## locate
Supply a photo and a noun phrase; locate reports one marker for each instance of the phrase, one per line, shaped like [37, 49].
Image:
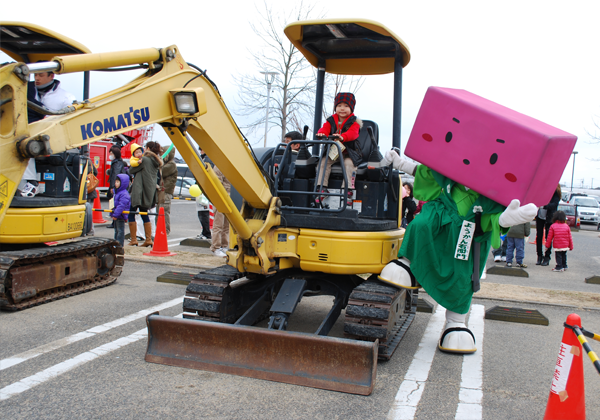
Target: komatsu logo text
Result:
[108, 125]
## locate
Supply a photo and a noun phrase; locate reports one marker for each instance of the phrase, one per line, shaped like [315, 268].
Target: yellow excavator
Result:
[283, 247]
[43, 256]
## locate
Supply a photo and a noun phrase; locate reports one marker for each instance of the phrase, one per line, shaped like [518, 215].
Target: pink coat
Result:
[560, 233]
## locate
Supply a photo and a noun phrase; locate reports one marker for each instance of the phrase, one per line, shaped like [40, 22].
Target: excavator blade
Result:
[336, 364]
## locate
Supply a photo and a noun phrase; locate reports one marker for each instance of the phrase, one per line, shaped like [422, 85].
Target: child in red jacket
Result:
[343, 125]
[560, 234]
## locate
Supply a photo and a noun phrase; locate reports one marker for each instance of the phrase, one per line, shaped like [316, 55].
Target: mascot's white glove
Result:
[515, 214]
[392, 158]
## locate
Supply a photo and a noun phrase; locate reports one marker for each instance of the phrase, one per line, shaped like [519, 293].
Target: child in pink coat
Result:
[559, 236]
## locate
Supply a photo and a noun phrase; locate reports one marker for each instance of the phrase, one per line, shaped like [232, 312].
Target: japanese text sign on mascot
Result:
[474, 180]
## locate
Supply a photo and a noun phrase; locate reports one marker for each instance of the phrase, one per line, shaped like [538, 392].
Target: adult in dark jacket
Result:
[143, 191]
[541, 224]
[169, 179]
[409, 207]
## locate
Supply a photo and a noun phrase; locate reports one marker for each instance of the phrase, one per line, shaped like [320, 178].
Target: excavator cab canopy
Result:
[351, 47]
[356, 47]
[29, 43]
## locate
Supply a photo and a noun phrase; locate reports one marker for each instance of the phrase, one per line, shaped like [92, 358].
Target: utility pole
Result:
[269, 78]
[573, 174]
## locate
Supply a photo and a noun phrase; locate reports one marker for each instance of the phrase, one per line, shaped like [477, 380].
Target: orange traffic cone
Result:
[160, 247]
[535, 238]
[567, 394]
[98, 214]
[211, 213]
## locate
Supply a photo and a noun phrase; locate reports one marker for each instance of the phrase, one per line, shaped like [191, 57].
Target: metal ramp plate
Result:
[593, 279]
[330, 363]
[202, 243]
[507, 271]
[523, 316]
[176, 277]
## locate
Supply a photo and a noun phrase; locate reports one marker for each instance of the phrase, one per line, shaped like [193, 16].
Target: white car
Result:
[182, 187]
[588, 209]
[595, 197]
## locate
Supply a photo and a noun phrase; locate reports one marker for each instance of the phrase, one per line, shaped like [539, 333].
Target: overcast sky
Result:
[536, 57]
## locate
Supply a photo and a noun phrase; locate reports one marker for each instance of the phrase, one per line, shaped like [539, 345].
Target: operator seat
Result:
[366, 147]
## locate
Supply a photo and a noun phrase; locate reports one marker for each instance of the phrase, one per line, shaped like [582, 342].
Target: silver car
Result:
[588, 209]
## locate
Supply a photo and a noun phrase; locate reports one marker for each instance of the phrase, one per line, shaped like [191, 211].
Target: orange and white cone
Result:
[97, 216]
[211, 214]
[567, 393]
[160, 247]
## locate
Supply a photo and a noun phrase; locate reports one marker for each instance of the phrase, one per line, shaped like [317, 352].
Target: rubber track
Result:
[13, 259]
[369, 313]
[204, 295]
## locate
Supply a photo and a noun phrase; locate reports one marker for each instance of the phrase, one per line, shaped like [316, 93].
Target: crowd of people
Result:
[551, 231]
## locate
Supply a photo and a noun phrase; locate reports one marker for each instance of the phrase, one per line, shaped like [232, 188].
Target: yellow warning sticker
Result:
[7, 188]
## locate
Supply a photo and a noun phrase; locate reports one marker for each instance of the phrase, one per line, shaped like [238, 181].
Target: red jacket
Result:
[560, 233]
[350, 135]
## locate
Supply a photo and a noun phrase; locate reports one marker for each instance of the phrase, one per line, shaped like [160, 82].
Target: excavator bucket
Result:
[295, 358]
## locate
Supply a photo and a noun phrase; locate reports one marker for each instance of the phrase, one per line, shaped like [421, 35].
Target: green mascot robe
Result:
[431, 238]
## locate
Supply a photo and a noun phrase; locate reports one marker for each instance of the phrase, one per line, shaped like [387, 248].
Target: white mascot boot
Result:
[457, 338]
[397, 273]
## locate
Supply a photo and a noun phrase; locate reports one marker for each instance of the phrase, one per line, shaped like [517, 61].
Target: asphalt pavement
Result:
[83, 357]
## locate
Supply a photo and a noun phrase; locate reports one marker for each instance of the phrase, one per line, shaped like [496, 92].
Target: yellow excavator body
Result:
[282, 249]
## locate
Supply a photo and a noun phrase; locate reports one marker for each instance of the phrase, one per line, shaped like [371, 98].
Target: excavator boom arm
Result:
[146, 100]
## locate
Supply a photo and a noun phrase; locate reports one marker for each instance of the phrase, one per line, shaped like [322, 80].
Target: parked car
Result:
[588, 209]
[183, 171]
[595, 197]
[182, 187]
[570, 210]
[568, 196]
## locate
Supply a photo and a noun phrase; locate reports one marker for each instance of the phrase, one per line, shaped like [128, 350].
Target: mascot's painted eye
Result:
[494, 158]
[466, 161]
[448, 136]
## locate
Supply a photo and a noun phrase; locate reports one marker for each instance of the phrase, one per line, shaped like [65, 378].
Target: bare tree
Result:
[595, 136]
[292, 94]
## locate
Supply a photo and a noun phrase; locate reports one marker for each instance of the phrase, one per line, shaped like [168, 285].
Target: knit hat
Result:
[345, 97]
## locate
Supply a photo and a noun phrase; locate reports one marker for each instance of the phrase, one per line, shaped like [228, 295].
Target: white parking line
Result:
[38, 351]
[410, 391]
[58, 369]
[471, 393]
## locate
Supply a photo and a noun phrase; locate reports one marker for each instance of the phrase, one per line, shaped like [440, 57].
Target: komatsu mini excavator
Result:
[282, 248]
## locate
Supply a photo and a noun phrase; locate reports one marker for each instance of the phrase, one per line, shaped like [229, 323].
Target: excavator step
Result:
[335, 364]
[175, 277]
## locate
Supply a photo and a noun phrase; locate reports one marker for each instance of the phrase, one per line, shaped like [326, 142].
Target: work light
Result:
[186, 102]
